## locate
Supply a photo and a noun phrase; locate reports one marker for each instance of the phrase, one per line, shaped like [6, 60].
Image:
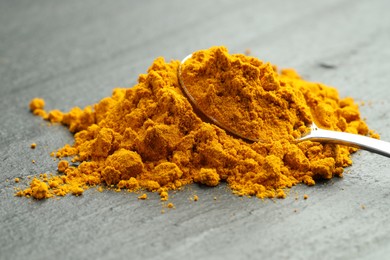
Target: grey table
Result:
[72, 53]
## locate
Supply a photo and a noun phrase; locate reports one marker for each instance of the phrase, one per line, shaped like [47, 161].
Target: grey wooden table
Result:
[72, 53]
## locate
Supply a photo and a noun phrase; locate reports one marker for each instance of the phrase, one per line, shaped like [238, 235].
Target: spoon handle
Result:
[359, 141]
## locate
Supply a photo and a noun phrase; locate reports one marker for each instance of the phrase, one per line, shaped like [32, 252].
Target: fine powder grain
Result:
[148, 137]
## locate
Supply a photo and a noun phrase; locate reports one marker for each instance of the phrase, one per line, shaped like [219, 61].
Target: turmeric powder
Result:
[149, 137]
[143, 196]
[38, 189]
[245, 95]
[63, 165]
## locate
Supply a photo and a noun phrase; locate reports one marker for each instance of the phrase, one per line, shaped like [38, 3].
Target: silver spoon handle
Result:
[359, 141]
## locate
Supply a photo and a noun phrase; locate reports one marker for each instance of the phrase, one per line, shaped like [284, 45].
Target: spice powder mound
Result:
[148, 137]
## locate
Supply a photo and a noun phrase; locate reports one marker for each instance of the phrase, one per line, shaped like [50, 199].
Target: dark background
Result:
[73, 53]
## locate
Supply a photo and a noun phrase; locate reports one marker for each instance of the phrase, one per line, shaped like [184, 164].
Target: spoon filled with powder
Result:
[250, 100]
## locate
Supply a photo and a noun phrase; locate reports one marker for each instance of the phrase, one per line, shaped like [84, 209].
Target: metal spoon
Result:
[315, 134]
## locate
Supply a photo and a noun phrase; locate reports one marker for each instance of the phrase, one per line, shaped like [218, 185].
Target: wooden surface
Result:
[72, 53]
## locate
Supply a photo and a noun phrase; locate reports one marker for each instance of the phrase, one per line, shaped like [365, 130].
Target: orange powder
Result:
[63, 165]
[143, 196]
[148, 137]
[38, 189]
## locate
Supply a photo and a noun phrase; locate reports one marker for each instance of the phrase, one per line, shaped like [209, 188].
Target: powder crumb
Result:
[215, 198]
[17, 179]
[196, 197]
[363, 206]
[33, 161]
[209, 177]
[77, 191]
[63, 165]
[170, 205]
[143, 196]
[162, 211]
[130, 184]
[305, 197]
[373, 134]
[33, 145]
[36, 103]
[100, 189]
[55, 116]
[164, 196]
[38, 190]
[53, 183]
[280, 194]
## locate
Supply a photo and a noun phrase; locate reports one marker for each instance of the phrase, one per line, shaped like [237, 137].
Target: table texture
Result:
[73, 53]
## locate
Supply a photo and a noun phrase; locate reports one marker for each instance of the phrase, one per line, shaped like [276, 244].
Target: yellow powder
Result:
[55, 116]
[149, 137]
[208, 177]
[33, 145]
[37, 103]
[63, 165]
[130, 184]
[164, 196]
[77, 191]
[38, 190]
[36, 106]
[143, 196]
[245, 95]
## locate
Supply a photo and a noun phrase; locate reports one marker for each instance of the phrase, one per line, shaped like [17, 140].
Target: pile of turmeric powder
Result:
[149, 138]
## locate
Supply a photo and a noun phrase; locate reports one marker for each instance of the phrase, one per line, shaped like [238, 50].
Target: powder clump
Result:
[38, 190]
[63, 165]
[149, 137]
